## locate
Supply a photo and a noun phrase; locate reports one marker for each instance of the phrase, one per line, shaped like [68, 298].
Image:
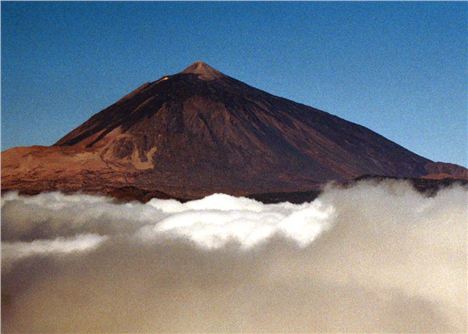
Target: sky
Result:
[399, 69]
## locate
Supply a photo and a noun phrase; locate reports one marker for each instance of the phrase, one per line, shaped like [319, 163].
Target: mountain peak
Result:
[202, 133]
[203, 70]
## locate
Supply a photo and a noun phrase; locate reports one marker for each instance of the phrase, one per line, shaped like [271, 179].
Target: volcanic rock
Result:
[198, 132]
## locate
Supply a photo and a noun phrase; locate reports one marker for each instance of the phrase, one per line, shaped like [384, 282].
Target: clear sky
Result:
[399, 69]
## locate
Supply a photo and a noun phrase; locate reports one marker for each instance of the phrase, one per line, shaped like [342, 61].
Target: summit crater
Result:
[203, 71]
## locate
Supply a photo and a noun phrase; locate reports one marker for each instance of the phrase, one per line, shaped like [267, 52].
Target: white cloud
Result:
[219, 219]
[16, 250]
[370, 258]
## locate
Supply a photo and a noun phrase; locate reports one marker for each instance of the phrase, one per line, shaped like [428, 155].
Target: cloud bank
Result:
[370, 258]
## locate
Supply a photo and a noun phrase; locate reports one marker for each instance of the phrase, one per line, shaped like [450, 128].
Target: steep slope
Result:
[199, 132]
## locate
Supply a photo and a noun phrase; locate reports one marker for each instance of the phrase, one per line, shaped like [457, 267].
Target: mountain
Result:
[198, 132]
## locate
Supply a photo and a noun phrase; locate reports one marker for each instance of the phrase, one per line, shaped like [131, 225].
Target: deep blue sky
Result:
[398, 68]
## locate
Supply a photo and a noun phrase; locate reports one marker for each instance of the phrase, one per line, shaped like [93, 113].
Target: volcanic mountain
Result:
[198, 132]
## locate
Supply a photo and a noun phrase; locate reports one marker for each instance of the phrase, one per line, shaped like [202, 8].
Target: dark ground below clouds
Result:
[428, 187]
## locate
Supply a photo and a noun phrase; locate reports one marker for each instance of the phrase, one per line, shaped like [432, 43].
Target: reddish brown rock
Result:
[199, 132]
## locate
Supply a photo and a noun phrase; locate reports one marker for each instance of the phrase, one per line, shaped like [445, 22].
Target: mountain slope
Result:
[198, 132]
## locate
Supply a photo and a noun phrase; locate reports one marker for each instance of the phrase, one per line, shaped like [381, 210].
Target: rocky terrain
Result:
[199, 132]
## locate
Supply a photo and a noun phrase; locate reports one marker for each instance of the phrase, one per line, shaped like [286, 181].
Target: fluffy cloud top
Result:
[371, 258]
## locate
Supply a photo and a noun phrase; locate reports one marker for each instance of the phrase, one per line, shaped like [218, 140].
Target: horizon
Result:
[365, 71]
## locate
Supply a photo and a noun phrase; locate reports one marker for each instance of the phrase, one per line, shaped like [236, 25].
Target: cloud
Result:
[12, 251]
[219, 219]
[370, 258]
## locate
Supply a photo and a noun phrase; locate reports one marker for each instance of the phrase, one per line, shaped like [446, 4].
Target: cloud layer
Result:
[371, 258]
